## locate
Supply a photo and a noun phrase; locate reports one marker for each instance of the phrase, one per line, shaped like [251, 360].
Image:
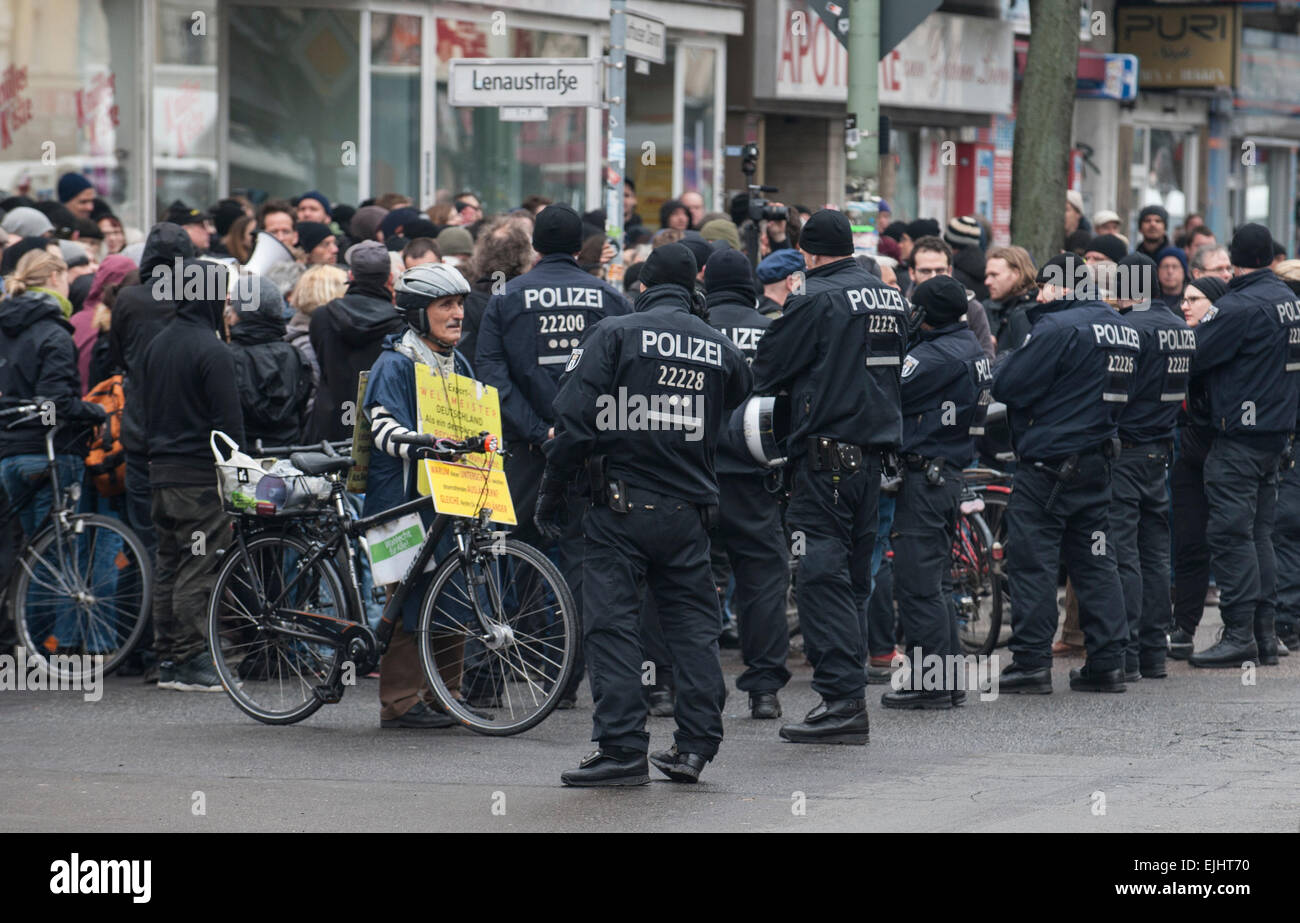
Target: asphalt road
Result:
[1199, 751]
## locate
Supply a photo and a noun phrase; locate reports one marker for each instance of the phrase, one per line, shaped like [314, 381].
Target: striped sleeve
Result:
[383, 427]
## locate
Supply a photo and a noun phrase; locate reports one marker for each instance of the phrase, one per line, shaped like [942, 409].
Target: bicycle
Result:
[288, 633]
[980, 587]
[83, 583]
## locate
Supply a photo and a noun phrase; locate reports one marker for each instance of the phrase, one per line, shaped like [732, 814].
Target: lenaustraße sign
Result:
[960, 63]
[552, 82]
[1181, 46]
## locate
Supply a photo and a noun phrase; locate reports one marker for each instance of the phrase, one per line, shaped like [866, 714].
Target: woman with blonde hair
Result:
[39, 359]
[318, 285]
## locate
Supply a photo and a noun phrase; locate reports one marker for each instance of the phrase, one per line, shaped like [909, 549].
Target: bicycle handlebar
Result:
[473, 445]
[329, 448]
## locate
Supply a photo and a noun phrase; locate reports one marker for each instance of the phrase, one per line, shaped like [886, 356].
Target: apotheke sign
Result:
[958, 63]
[556, 82]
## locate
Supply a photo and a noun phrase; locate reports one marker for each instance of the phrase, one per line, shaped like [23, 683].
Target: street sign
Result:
[898, 19]
[522, 113]
[647, 37]
[525, 82]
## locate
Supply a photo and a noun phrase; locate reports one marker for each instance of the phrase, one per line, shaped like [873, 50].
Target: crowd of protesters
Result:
[278, 360]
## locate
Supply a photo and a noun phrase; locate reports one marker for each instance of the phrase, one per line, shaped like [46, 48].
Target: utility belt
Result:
[826, 454]
[1163, 448]
[1064, 469]
[933, 467]
[615, 494]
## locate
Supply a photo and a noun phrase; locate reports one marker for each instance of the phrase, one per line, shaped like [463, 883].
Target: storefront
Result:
[940, 84]
[345, 96]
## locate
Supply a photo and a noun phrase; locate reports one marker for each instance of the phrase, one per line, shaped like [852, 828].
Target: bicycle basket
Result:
[263, 486]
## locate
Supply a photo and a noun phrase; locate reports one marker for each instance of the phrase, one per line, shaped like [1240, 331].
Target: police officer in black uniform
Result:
[1139, 507]
[838, 352]
[946, 377]
[1248, 352]
[1064, 389]
[647, 393]
[749, 530]
[526, 336]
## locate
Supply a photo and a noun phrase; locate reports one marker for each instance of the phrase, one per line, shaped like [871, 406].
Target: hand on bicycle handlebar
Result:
[435, 447]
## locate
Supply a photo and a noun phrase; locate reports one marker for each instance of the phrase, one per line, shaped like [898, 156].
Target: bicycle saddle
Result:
[320, 463]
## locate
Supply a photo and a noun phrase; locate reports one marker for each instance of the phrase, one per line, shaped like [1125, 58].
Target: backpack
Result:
[106, 461]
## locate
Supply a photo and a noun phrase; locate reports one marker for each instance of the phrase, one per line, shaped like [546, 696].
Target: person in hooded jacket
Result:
[273, 378]
[749, 531]
[139, 314]
[39, 359]
[187, 393]
[348, 335]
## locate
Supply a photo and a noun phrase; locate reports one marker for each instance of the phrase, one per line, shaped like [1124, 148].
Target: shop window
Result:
[699, 132]
[1161, 164]
[185, 104]
[394, 104]
[70, 99]
[294, 101]
[650, 136]
[502, 162]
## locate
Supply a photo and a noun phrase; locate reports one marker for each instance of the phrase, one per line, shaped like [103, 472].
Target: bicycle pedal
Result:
[330, 695]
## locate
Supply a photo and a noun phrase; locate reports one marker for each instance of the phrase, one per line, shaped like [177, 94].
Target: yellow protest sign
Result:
[455, 407]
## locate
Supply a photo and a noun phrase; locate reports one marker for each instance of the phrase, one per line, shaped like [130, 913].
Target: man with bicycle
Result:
[430, 298]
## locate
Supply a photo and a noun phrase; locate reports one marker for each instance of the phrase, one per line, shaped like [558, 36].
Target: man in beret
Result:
[837, 351]
[780, 273]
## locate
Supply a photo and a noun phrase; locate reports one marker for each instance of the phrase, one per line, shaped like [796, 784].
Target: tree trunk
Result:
[1040, 169]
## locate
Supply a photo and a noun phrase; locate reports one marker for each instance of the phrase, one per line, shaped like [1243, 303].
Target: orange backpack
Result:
[106, 461]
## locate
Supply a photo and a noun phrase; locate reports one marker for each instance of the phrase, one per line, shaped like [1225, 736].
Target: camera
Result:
[759, 210]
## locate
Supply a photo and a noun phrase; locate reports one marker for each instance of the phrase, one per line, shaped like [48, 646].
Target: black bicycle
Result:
[82, 585]
[497, 632]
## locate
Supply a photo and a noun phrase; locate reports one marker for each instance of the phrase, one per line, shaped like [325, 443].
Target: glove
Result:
[546, 515]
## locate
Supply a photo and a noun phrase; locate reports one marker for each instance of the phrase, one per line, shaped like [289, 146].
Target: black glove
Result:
[550, 504]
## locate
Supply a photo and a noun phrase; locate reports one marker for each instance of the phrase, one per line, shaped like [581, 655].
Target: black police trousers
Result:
[1075, 523]
[1286, 549]
[660, 544]
[1139, 530]
[750, 533]
[1241, 487]
[924, 523]
[1191, 550]
[834, 514]
[524, 467]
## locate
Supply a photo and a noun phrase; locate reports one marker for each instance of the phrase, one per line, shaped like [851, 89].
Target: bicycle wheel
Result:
[84, 591]
[255, 625]
[520, 668]
[976, 587]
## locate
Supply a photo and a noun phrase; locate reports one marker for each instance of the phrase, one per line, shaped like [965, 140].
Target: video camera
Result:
[759, 210]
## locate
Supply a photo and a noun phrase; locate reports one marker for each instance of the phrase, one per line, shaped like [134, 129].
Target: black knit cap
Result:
[557, 229]
[923, 227]
[729, 271]
[310, 234]
[943, 298]
[1063, 270]
[700, 248]
[1140, 270]
[1251, 247]
[1111, 246]
[671, 264]
[1212, 287]
[827, 233]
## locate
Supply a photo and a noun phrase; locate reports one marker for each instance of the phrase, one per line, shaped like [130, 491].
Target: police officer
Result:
[749, 533]
[1064, 389]
[837, 351]
[1286, 543]
[1139, 507]
[647, 393]
[1248, 352]
[946, 377]
[526, 336]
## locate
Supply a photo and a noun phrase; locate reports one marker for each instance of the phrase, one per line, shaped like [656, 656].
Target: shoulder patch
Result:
[574, 359]
[1210, 314]
[909, 365]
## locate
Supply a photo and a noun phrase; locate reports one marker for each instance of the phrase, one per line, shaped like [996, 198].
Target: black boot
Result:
[1266, 641]
[1132, 669]
[1180, 644]
[1288, 635]
[764, 705]
[1086, 679]
[678, 766]
[1235, 647]
[600, 768]
[834, 721]
[906, 698]
[1035, 681]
